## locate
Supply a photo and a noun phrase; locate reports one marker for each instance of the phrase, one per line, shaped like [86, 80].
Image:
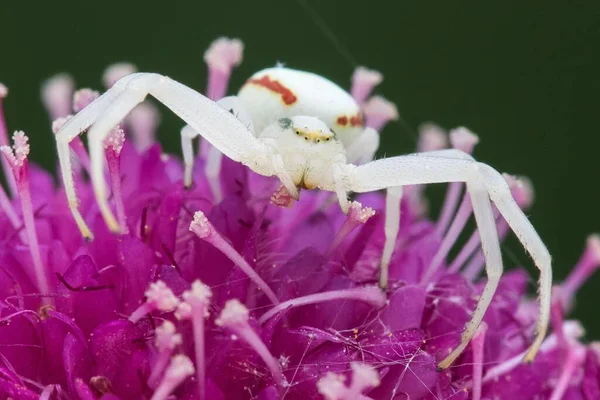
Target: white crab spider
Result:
[308, 132]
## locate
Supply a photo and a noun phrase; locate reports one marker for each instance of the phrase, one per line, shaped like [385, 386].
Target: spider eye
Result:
[328, 139]
[297, 132]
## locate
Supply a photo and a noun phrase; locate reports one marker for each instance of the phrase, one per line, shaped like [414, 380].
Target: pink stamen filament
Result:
[140, 312]
[5, 141]
[370, 295]
[462, 216]
[161, 362]
[179, 369]
[198, 329]
[248, 334]
[477, 346]
[575, 358]
[114, 167]
[449, 206]
[22, 179]
[204, 230]
[585, 267]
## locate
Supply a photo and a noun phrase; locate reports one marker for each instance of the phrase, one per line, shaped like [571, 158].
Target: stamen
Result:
[575, 358]
[158, 297]
[180, 368]
[477, 344]
[431, 138]
[357, 215]
[114, 144]
[205, 230]
[17, 159]
[115, 72]
[4, 141]
[379, 111]
[235, 318]
[464, 140]
[166, 340]
[222, 55]
[368, 294]
[585, 267]
[83, 97]
[144, 120]
[364, 81]
[57, 95]
[556, 317]
[195, 308]
[462, 216]
[76, 144]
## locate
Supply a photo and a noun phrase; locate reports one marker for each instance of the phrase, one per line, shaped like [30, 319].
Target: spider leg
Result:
[391, 227]
[214, 156]
[69, 131]
[222, 129]
[483, 183]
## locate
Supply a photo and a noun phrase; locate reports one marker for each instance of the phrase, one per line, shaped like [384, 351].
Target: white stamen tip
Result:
[17, 155]
[167, 336]
[382, 108]
[431, 138]
[161, 296]
[593, 244]
[180, 368]
[521, 189]
[360, 214]
[332, 386]
[116, 71]
[3, 91]
[200, 225]
[366, 76]
[224, 53]
[199, 293]
[234, 313]
[59, 122]
[364, 376]
[56, 94]
[83, 97]
[115, 139]
[463, 139]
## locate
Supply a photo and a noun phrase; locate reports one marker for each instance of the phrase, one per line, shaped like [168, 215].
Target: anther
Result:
[57, 95]
[364, 81]
[158, 297]
[116, 71]
[379, 111]
[221, 57]
[83, 98]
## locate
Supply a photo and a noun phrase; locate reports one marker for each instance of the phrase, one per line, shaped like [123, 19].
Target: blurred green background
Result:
[523, 75]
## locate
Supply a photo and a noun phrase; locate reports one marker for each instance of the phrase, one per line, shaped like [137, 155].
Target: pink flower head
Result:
[242, 299]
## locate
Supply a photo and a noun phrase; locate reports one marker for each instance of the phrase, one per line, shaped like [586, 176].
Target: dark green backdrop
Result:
[523, 75]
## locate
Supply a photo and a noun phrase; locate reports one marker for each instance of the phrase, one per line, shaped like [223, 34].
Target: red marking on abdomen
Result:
[287, 95]
[356, 120]
[342, 121]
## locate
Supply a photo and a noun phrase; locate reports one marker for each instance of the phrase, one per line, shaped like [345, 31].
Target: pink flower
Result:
[201, 299]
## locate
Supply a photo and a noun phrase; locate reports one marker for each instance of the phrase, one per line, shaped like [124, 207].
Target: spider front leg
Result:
[218, 126]
[483, 183]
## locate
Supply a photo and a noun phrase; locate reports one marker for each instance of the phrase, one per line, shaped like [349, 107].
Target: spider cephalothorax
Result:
[282, 124]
